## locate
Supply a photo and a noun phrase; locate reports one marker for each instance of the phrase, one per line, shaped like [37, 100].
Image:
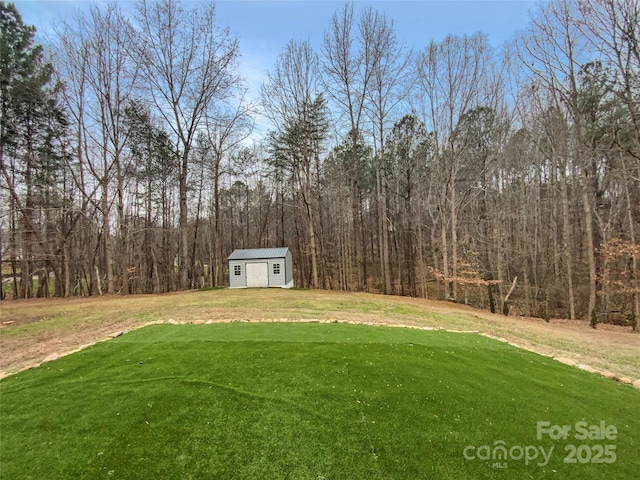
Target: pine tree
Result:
[31, 153]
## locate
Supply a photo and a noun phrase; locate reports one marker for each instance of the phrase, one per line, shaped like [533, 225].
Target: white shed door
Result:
[257, 274]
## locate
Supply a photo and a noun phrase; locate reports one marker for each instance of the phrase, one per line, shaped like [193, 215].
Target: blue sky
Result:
[265, 26]
[275, 22]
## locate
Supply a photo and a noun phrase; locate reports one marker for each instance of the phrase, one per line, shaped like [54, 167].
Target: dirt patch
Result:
[609, 347]
[17, 353]
[21, 321]
[27, 340]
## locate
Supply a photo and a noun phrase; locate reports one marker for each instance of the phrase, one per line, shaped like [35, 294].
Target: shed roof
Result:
[258, 253]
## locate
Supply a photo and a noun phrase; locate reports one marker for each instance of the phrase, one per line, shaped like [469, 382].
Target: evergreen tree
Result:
[32, 151]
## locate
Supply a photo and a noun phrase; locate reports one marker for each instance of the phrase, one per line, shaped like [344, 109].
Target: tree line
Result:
[508, 178]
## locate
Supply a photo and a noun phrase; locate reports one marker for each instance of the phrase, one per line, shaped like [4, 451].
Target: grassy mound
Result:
[308, 401]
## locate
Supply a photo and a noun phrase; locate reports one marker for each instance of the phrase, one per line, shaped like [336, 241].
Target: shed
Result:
[261, 267]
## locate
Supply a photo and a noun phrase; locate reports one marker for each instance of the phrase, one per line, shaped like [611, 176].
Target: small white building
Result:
[261, 267]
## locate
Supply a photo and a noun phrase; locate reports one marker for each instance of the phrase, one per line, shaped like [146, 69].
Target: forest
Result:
[504, 178]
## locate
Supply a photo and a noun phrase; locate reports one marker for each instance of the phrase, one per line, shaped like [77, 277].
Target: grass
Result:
[36, 321]
[302, 401]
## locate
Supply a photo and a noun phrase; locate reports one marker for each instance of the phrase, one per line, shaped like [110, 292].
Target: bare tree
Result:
[612, 28]
[103, 79]
[292, 103]
[388, 88]
[188, 64]
[454, 77]
[554, 51]
[225, 132]
[348, 68]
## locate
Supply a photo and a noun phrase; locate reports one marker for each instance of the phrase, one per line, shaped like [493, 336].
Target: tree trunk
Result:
[633, 261]
[66, 274]
[454, 240]
[184, 226]
[388, 289]
[122, 220]
[445, 255]
[588, 219]
[106, 240]
[566, 241]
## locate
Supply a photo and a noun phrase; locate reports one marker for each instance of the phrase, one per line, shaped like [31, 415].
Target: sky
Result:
[264, 27]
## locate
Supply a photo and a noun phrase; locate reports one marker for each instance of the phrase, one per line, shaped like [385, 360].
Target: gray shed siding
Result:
[237, 281]
[276, 280]
[288, 260]
[240, 258]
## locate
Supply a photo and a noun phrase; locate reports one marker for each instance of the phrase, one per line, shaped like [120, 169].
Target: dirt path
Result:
[611, 348]
[29, 332]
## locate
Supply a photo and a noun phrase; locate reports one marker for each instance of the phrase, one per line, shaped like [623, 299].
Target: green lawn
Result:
[307, 401]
